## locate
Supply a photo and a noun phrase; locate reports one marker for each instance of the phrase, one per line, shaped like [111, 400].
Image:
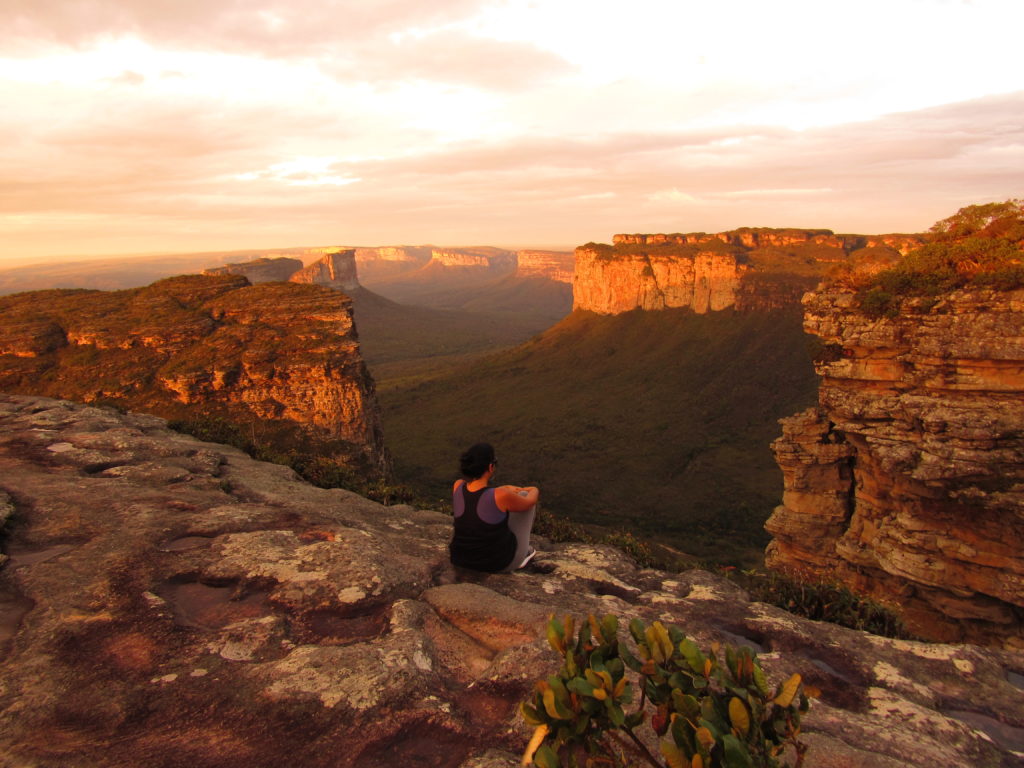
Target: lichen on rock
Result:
[154, 618]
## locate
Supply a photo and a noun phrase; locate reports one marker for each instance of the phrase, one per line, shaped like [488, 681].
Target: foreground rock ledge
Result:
[168, 602]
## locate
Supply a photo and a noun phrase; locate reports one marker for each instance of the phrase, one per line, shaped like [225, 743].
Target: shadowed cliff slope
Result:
[654, 421]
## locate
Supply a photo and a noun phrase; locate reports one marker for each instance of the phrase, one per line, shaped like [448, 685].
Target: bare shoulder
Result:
[458, 482]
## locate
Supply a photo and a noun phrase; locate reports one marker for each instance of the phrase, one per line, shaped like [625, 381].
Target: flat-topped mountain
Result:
[261, 270]
[282, 353]
[746, 268]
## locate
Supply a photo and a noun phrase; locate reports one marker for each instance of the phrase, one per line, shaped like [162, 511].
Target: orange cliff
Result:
[749, 269]
[215, 345]
[553, 265]
[907, 482]
[336, 269]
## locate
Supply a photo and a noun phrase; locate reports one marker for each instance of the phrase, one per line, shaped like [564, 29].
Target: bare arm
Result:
[512, 498]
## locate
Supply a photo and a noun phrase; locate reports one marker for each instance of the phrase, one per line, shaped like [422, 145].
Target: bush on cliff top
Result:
[706, 711]
[979, 246]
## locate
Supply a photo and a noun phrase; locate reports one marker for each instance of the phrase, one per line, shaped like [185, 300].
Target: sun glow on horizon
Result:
[498, 113]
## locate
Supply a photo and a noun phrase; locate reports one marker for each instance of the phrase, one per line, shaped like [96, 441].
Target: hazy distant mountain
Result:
[119, 272]
[537, 283]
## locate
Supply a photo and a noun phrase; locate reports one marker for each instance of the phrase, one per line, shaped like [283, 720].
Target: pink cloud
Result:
[452, 56]
[268, 27]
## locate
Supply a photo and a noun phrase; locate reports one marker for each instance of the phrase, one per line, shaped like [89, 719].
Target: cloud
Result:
[451, 56]
[157, 177]
[265, 27]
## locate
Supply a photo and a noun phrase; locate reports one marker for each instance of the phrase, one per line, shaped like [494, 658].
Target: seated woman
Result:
[492, 525]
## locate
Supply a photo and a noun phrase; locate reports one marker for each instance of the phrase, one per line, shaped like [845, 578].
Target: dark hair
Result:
[476, 460]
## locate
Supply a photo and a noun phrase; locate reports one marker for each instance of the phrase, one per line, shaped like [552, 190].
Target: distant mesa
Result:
[746, 269]
[553, 265]
[335, 270]
[262, 270]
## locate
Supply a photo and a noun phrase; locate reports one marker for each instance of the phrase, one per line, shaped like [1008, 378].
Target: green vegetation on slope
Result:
[402, 340]
[979, 246]
[656, 422]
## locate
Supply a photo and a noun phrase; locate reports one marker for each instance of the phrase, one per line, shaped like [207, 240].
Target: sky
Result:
[163, 126]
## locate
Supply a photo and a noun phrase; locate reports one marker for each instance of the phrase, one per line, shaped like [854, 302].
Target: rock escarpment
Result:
[493, 260]
[335, 270]
[173, 602]
[388, 261]
[276, 352]
[749, 269]
[908, 481]
[262, 270]
[553, 265]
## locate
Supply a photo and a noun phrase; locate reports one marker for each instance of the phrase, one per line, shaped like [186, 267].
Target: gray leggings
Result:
[520, 523]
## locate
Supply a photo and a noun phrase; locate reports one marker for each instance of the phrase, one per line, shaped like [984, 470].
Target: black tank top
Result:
[477, 544]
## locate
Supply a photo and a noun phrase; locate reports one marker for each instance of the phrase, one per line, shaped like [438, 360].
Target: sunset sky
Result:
[159, 126]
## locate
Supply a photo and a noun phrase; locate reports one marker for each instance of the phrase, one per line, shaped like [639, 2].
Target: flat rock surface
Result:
[168, 602]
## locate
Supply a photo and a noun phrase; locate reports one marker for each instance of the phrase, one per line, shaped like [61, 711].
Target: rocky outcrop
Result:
[748, 269]
[908, 481]
[493, 259]
[335, 270]
[708, 281]
[214, 345]
[388, 261]
[173, 602]
[263, 270]
[553, 265]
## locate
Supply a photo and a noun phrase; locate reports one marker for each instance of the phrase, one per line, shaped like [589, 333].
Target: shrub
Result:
[822, 601]
[980, 245]
[707, 711]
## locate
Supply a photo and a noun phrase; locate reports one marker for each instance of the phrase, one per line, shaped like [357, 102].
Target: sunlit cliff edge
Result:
[202, 344]
[747, 269]
[907, 482]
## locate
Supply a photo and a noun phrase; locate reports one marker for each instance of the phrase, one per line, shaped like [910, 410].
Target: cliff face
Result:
[199, 344]
[908, 481]
[387, 261]
[554, 265]
[264, 270]
[168, 602]
[708, 281]
[493, 259]
[335, 270]
[749, 269]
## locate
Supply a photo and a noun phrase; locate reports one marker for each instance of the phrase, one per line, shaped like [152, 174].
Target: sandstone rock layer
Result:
[169, 602]
[748, 269]
[908, 481]
[214, 345]
[262, 270]
[554, 265]
[335, 270]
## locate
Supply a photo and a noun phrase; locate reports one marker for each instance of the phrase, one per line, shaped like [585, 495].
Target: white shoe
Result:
[529, 556]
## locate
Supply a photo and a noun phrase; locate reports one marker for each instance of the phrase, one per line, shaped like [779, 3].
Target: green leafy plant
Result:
[979, 246]
[711, 710]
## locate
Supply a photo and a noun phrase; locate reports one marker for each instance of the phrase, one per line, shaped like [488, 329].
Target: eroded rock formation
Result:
[749, 269]
[215, 345]
[335, 270]
[484, 258]
[554, 265]
[173, 602]
[908, 481]
[262, 270]
[387, 261]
